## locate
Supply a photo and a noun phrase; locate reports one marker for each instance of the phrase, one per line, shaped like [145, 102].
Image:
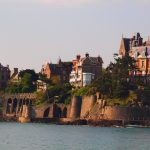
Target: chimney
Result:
[87, 55]
[59, 61]
[78, 57]
[99, 59]
[16, 70]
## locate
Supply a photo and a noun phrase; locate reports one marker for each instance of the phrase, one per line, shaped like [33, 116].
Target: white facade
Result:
[76, 79]
[85, 70]
[81, 79]
[41, 86]
[87, 78]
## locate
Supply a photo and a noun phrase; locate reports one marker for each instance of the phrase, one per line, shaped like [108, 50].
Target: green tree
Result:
[26, 80]
[120, 75]
[14, 89]
[34, 76]
[28, 85]
[115, 79]
[81, 91]
[104, 84]
[56, 93]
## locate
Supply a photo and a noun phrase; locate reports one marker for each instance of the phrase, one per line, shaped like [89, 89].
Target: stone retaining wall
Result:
[126, 113]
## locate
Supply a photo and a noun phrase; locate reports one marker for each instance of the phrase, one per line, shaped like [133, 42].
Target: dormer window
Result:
[143, 64]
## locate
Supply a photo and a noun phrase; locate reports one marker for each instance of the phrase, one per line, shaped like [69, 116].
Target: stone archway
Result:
[59, 112]
[20, 102]
[24, 101]
[9, 106]
[46, 113]
[15, 102]
[27, 101]
[64, 113]
[30, 102]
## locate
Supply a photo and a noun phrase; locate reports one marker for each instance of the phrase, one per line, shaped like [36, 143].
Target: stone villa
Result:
[85, 70]
[4, 76]
[61, 70]
[140, 51]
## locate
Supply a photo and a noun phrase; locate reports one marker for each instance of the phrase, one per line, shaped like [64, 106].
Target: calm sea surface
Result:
[15, 136]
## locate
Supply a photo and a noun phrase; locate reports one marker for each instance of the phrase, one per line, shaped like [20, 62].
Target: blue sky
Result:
[33, 32]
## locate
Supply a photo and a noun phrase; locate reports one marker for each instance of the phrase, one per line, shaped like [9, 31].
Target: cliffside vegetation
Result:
[57, 93]
[115, 81]
[26, 83]
[117, 84]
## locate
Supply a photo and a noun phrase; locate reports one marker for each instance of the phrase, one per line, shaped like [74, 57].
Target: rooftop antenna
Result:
[59, 60]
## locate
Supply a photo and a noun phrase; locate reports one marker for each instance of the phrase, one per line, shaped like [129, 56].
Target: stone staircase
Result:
[95, 112]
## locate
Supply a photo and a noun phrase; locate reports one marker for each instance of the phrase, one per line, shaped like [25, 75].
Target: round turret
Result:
[75, 107]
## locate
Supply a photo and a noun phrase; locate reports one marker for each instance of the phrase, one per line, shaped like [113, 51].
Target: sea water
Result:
[36, 136]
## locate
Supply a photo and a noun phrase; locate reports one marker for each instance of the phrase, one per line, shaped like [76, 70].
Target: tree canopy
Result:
[115, 80]
[26, 84]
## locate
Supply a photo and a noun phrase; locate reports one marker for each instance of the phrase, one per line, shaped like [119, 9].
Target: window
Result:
[143, 64]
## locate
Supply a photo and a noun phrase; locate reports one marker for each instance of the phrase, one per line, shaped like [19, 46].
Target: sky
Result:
[33, 32]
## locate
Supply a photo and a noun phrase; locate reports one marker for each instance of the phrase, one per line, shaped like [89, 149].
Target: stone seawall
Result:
[51, 111]
[87, 104]
[84, 108]
[127, 113]
[90, 107]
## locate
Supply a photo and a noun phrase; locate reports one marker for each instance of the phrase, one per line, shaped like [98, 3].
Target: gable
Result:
[124, 46]
[86, 61]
